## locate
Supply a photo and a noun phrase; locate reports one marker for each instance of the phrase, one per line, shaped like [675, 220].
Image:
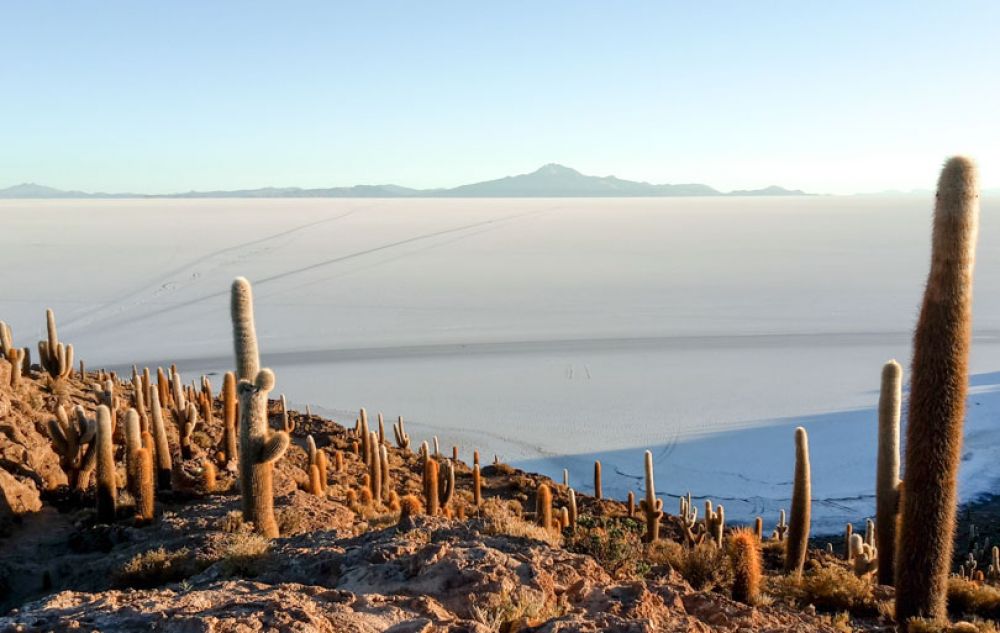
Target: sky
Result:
[155, 97]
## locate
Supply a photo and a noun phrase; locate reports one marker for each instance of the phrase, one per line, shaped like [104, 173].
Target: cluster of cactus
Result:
[938, 387]
[18, 358]
[439, 488]
[317, 468]
[687, 518]
[72, 438]
[863, 557]
[56, 358]
[402, 438]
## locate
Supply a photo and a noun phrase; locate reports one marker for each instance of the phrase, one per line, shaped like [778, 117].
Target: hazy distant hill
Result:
[548, 181]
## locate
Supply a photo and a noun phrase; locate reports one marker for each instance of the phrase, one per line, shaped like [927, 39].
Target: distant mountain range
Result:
[548, 181]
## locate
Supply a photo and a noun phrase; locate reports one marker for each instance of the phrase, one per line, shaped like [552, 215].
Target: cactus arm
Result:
[274, 447]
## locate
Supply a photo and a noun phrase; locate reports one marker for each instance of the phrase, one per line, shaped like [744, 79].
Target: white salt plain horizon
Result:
[547, 331]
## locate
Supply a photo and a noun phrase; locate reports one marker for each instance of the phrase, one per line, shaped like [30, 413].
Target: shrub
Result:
[966, 597]
[245, 555]
[499, 518]
[157, 567]
[614, 543]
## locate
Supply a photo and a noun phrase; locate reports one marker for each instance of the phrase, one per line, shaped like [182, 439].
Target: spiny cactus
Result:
[72, 438]
[107, 489]
[16, 359]
[287, 423]
[572, 510]
[145, 496]
[431, 485]
[630, 504]
[259, 449]
[244, 331]
[56, 358]
[477, 486]
[338, 462]
[781, 528]
[375, 468]
[746, 561]
[315, 486]
[6, 339]
[366, 446]
[938, 385]
[229, 416]
[650, 506]
[687, 517]
[715, 523]
[797, 545]
[381, 429]
[187, 421]
[758, 529]
[133, 442]
[598, 493]
[848, 532]
[543, 506]
[409, 507]
[209, 475]
[887, 479]
[864, 557]
[164, 462]
[139, 403]
[447, 491]
[402, 439]
[163, 387]
[384, 469]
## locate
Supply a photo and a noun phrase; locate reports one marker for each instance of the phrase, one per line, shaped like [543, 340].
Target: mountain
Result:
[550, 180]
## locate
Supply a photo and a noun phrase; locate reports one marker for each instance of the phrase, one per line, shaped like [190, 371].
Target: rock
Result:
[18, 496]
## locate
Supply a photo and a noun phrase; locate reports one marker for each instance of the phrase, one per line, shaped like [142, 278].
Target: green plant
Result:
[614, 543]
[939, 380]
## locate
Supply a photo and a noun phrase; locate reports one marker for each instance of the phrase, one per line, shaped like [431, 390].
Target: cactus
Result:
[72, 439]
[229, 416]
[543, 506]
[381, 429]
[437, 448]
[164, 463]
[597, 480]
[209, 476]
[259, 449]
[566, 477]
[475, 457]
[145, 496]
[338, 462]
[797, 545]
[650, 506]
[162, 387]
[321, 464]
[375, 469]
[244, 331]
[782, 527]
[366, 448]
[107, 489]
[56, 358]
[746, 561]
[287, 424]
[687, 517]
[384, 467]
[139, 402]
[938, 385]
[431, 485]
[187, 420]
[402, 439]
[477, 486]
[133, 442]
[848, 532]
[315, 484]
[6, 339]
[409, 507]
[758, 529]
[630, 504]
[715, 523]
[864, 557]
[572, 510]
[447, 490]
[16, 359]
[887, 479]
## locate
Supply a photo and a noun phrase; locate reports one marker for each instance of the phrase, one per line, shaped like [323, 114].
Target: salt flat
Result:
[547, 331]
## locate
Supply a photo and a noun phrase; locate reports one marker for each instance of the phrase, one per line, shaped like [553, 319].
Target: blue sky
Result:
[838, 97]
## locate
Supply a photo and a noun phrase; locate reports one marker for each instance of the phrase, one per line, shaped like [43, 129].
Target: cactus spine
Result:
[938, 384]
[651, 506]
[746, 560]
[887, 480]
[798, 530]
[107, 490]
[244, 331]
[259, 449]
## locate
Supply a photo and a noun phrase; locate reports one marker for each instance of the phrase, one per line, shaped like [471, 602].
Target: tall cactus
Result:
[164, 463]
[259, 448]
[938, 384]
[146, 493]
[598, 492]
[107, 490]
[229, 416]
[6, 339]
[798, 529]
[430, 484]
[651, 506]
[244, 331]
[133, 442]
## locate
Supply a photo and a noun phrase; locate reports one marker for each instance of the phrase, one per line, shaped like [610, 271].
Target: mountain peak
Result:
[555, 169]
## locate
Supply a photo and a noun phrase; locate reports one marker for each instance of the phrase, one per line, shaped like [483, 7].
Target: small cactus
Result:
[782, 527]
[715, 523]
[384, 468]
[315, 484]
[758, 529]
[431, 485]
[746, 561]
[16, 359]
[402, 438]
[375, 468]
[597, 480]
[287, 423]
[572, 510]
[409, 507]
[187, 421]
[543, 506]
[229, 416]
[864, 557]
[164, 463]
[848, 532]
[477, 486]
[146, 495]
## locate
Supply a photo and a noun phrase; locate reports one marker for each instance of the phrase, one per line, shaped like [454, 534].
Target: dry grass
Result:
[499, 611]
[157, 567]
[920, 625]
[704, 566]
[830, 588]
[966, 597]
[245, 555]
[500, 519]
